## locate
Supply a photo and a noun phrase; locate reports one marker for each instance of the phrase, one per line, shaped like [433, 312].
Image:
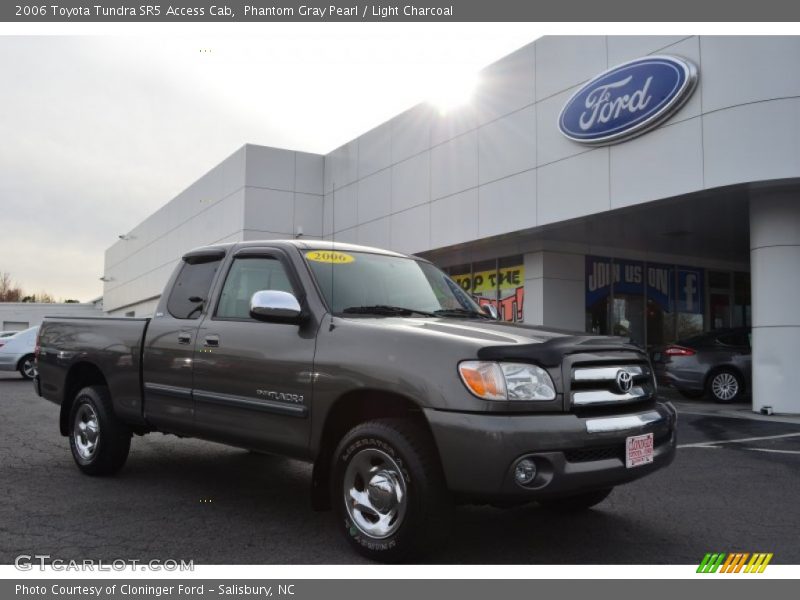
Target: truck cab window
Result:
[191, 289]
[247, 276]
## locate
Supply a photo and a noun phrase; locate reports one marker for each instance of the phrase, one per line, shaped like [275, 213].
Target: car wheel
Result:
[27, 366]
[99, 441]
[388, 491]
[576, 502]
[725, 386]
[691, 394]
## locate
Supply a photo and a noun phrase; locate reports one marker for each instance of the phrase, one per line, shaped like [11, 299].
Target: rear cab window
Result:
[190, 292]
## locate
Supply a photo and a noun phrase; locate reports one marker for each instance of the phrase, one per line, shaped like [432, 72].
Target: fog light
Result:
[525, 471]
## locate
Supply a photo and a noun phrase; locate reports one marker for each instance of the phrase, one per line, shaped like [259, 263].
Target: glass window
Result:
[660, 305]
[690, 302]
[628, 306]
[511, 289]
[599, 276]
[247, 276]
[741, 300]
[191, 288]
[719, 280]
[498, 283]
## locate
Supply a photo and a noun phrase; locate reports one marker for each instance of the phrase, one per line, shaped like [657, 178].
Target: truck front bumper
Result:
[479, 452]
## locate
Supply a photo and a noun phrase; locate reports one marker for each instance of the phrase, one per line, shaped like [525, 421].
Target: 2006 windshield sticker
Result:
[330, 256]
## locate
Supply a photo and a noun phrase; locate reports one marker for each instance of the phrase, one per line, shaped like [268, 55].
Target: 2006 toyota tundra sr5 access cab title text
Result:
[405, 394]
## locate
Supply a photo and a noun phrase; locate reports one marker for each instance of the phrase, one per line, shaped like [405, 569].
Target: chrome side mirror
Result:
[490, 310]
[274, 305]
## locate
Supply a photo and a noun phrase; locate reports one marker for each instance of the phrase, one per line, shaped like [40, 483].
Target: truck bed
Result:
[79, 344]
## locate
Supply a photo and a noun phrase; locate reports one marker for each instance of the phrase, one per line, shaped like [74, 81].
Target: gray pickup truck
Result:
[407, 397]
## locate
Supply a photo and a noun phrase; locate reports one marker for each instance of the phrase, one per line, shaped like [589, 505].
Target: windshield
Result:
[360, 282]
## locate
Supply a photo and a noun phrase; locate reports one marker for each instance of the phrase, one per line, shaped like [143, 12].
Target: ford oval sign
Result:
[628, 100]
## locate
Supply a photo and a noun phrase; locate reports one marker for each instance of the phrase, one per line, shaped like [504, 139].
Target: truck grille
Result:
[608, 384]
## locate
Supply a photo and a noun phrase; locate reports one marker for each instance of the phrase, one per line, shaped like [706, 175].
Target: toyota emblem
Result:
[624, 381]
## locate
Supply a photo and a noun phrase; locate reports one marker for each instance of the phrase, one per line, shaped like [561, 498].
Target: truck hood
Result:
[496, 340]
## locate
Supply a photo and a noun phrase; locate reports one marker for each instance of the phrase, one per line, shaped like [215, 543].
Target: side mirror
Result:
[490, 310]
[274, 305]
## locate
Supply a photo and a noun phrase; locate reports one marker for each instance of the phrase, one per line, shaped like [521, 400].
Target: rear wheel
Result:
[388, 491]
[576, 502]
[27, 366]
[99, 441]
[725, 386]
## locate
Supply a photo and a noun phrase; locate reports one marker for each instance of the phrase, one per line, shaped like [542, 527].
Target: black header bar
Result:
[188, 11]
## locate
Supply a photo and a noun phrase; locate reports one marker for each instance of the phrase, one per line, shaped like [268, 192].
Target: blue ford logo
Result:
[628, 100]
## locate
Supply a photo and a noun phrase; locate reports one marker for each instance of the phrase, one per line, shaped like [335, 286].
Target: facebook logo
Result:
[690, 290]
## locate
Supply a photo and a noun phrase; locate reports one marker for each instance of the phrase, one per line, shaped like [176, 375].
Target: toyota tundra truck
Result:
[406, 395]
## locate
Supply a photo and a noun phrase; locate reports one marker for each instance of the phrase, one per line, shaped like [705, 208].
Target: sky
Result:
[97, 132]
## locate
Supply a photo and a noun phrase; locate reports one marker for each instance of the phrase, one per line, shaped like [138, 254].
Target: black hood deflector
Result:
[552, 352]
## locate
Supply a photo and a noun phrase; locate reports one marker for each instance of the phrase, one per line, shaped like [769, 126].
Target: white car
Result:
[17, 352]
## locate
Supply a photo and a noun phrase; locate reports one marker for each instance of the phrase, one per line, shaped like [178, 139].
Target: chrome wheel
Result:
[724, 386]
[375, 493]
[29, 368]
[86, 431]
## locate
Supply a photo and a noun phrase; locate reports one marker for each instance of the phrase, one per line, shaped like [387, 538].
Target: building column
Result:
[554, 290]
[775, 285]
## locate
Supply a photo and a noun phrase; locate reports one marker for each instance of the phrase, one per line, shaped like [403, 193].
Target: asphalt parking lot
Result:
[187, 499]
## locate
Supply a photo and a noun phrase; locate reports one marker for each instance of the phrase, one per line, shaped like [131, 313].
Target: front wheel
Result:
[99, 441]
[388, 491]
[27, 366]
[576, 502]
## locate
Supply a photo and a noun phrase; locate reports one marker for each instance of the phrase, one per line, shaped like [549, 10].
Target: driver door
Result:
[252, 379]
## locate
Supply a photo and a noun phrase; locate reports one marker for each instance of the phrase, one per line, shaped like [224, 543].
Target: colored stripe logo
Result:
[736, 562]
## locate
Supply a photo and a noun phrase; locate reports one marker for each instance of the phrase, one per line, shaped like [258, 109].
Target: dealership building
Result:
[638, 186]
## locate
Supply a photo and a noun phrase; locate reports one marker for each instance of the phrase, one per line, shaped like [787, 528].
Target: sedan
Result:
[716, 364]
[17, 353]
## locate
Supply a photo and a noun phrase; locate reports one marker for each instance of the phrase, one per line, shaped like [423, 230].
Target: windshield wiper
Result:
[385, 309]
[460, 312]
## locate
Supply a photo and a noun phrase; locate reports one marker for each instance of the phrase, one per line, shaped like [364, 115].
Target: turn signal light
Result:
[678, 351]
[484, 379]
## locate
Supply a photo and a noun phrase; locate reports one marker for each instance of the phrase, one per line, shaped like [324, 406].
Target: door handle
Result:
[184, 338]
[212, 341]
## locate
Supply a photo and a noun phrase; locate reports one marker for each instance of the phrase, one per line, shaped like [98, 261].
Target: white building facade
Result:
[17, 316]
[691, 226]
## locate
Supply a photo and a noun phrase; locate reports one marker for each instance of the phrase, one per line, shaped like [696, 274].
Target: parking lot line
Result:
[773, 450]
[715, 443]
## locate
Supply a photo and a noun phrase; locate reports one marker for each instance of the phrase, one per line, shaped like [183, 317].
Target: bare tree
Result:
[9, 291]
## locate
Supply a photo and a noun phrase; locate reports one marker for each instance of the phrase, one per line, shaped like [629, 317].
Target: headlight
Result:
[506, 381]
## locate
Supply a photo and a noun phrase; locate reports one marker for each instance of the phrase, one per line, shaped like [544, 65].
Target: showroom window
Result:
[499, 282]
[655, 304]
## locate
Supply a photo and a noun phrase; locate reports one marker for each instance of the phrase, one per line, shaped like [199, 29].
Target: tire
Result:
[27, 366]
[576, 502]
[725, 386]
[98, 440]
[404, 509]
[691, 394]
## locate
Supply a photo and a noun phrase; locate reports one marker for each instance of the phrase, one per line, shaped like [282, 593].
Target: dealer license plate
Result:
[638, 450]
